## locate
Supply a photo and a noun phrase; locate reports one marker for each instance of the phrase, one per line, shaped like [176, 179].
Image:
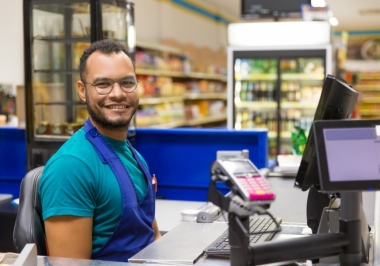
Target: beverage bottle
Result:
[243, 91]
[249, 95]
[270, 92]
[263, 89]
[298, 137]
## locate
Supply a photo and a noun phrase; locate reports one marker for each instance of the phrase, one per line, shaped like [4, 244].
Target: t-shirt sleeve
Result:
[66, 187]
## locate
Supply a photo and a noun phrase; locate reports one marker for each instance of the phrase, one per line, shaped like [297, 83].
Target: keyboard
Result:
[221, 246]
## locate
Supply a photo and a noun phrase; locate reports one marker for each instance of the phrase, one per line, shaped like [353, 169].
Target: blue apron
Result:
[134, 231]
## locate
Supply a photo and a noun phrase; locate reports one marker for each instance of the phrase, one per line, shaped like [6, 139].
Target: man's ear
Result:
[81, 91]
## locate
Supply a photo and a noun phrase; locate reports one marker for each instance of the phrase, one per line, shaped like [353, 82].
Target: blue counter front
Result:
[180, 158]
[12, 159]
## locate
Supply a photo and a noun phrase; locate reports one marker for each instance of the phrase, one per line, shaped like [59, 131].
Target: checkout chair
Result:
[29, 226]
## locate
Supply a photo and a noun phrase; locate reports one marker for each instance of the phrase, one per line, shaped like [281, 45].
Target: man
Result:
[97, 195]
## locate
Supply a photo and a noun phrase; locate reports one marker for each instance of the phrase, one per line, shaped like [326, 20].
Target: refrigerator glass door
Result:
[301, 85]
[60, 32]
[255, 97]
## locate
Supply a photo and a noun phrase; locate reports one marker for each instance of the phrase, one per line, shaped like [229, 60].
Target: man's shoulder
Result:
[77, 147]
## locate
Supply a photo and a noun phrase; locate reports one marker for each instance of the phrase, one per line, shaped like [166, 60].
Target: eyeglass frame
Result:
[113, 83]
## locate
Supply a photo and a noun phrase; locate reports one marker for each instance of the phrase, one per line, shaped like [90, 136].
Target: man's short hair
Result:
[105, 46]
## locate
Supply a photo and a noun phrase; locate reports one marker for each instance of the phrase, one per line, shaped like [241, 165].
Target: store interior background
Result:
[160, 20]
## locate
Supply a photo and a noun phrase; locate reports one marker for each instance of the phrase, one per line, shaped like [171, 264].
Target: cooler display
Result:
[278, 90]
[55, 34]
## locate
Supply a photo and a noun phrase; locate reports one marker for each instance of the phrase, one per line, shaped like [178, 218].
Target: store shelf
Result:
[206, 120]
[362, 65]
[193, 96]
[51, 137]
[206, 96]
[194, 122]
[256, 77]
[255, 105]
[157, 47]
[370, 101]
[172, 124]
[283, 135]
[61, 103]
[61, 39]
[370, 112]
[302, 76]
[158, 100]
[300, 105]
[367, 87]
[177, 74]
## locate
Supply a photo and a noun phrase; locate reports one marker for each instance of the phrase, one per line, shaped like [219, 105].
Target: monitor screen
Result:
[337, 101]
[348, 154]
[271, 8]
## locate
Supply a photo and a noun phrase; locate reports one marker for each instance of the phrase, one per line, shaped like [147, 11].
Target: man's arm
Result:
[157, 233]
[69, 236]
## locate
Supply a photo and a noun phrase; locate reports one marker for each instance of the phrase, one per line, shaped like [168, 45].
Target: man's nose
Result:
[117, 90]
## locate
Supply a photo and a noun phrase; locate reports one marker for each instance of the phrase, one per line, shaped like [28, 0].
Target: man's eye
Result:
[103, 84]
[127, 83]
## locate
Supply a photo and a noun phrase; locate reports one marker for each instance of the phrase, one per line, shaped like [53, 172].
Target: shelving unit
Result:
[174, 95]
[367, 83]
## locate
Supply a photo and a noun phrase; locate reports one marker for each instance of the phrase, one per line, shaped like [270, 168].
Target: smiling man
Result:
[98, 200]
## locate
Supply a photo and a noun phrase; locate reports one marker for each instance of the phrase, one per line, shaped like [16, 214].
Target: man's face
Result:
[115, 110]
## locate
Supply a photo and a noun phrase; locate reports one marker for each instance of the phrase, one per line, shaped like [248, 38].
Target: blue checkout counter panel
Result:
[180, 158]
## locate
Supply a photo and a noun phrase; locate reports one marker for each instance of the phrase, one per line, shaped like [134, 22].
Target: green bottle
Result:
[298, 139]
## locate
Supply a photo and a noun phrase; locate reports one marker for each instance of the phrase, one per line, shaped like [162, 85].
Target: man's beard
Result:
[99, 118]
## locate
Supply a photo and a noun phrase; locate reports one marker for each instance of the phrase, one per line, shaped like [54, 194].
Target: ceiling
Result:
[351, 14]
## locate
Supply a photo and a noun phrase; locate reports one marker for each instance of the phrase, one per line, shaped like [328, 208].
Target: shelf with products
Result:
[283, 135]
[255, 105]
[367, 83]
[175, 99]
[179, 74]
[276, 90]
[299, 105]
[256, 77]
[303, 76]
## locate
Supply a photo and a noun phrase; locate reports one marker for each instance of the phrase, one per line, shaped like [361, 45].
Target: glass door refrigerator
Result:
[55, 34]
[276, 89]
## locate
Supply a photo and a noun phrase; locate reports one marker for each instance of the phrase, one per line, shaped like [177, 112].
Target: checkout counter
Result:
[169, 219]
[181, 192]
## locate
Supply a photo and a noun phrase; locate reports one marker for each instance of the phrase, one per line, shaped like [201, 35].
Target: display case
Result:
[276, 89]
[55, 35]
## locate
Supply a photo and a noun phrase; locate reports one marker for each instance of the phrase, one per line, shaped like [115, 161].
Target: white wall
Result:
[11, 43]
[156, 20]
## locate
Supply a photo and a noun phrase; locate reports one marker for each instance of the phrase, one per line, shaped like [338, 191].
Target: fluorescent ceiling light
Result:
[318, 3]
[334, 21]
[288, 33]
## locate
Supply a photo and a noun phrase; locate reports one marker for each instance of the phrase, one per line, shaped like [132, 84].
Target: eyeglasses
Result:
[105, 86]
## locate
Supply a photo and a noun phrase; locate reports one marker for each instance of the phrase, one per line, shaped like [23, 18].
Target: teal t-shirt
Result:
[76, 182]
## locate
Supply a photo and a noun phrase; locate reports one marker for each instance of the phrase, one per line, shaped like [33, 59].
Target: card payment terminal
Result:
[245, 178]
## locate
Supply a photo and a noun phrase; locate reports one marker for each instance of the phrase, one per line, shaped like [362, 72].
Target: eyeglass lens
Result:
[105, 86]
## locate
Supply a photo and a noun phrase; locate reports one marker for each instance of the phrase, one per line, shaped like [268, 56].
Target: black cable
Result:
[328, 213]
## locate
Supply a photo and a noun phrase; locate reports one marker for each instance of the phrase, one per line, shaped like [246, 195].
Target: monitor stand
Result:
[347, 243]
[329, 223]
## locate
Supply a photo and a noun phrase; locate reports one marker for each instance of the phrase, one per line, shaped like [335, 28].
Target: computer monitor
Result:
[257, 9]
[348, 155]
[337, 101]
